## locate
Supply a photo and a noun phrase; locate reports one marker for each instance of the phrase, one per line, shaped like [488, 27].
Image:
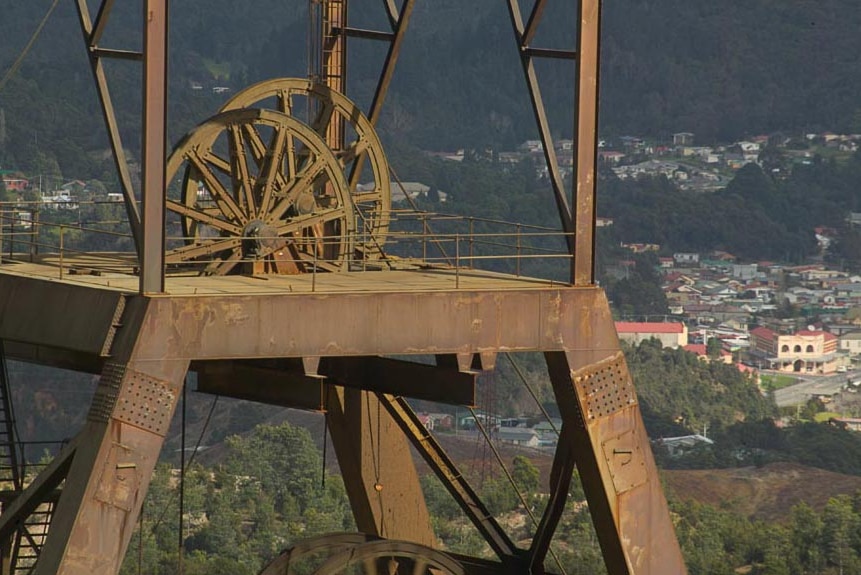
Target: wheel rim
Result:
[385, 557]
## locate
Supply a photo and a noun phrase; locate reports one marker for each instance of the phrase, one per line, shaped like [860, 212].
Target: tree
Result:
[526, 475]
[283, 459]
[839, 527]
[714, 347]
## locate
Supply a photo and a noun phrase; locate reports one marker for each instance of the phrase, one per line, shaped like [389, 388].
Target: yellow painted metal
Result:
[257, 176]
[363, 148]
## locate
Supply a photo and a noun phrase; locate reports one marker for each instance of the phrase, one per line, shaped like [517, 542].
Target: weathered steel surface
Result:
[154, 145]
[452, 479]
[611, 449]
[377, 467]
[56, 314]
[586, 130]
[116, 453]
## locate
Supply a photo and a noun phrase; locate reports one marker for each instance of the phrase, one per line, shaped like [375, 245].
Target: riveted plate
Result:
[605, 387]
[145, 402]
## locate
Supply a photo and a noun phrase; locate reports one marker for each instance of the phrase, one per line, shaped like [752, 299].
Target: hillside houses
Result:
[715, 296]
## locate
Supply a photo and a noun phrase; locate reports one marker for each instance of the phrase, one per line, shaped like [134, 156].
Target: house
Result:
[745, 272]
[686, 259]
[677, 446]
[518, 436]
[441, 420]
[610, 156]
[808, 351]
[546, 429]
[400, 190]
[683, 139]
[14, 181]
[700, 350]
[851, 343]
[670, 334]
[426, 420]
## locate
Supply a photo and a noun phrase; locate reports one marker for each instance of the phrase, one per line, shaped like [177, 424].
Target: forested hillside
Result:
[719, 70]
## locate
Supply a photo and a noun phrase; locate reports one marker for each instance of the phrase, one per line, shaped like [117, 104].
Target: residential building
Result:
[686, 259]
[670, 334]
[805, 351]
[518, 436]
[683, 139]
[851, 343]
[677, 446]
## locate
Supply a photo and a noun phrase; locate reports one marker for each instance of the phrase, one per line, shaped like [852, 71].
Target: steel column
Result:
[154, 145]
[452, 479]
[611, 449]
[586, 130]
[116, 451]
[376, 465]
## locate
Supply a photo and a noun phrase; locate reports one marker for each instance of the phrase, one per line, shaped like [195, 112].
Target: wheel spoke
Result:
[303, 180]
[304, 222]
[369, 197]
[258, 148]
[353, 152]
[223, 267]
[241, 176]
[324, 118]
[285, 102]
[204, 217]
[419, 566]
[221, 196]
[197, 250]
[271, 169]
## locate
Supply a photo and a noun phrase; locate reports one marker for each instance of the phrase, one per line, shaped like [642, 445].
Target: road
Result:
[810, 385]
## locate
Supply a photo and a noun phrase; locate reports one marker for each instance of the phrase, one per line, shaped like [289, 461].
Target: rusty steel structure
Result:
[336, 325]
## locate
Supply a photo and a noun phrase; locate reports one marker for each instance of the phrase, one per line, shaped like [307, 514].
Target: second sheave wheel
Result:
[260, 189]
[341, 123]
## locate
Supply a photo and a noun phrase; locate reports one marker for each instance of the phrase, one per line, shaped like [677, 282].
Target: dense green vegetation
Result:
[720, 71]
[270, 491]
[756, 216]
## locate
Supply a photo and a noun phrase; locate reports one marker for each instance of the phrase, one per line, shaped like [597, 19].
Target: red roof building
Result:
[670, 334]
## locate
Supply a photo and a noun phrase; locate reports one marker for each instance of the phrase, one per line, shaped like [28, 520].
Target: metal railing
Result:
[414, 240]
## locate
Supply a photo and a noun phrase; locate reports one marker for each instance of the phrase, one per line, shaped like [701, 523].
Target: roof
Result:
[697, 348]
[649, 327]
[813, 333]
[763, 332]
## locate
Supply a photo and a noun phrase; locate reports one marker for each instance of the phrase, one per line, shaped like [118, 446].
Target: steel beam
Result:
[262, 384]
[559, 192]
[403, 378]
[154, 145]
[92, 35]
[376, 465]
[611, 449]
[280, 384]
[58, 315]
[452, 479]
[40, 489]
[560, 480]
[115, 452]
[586, 130]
